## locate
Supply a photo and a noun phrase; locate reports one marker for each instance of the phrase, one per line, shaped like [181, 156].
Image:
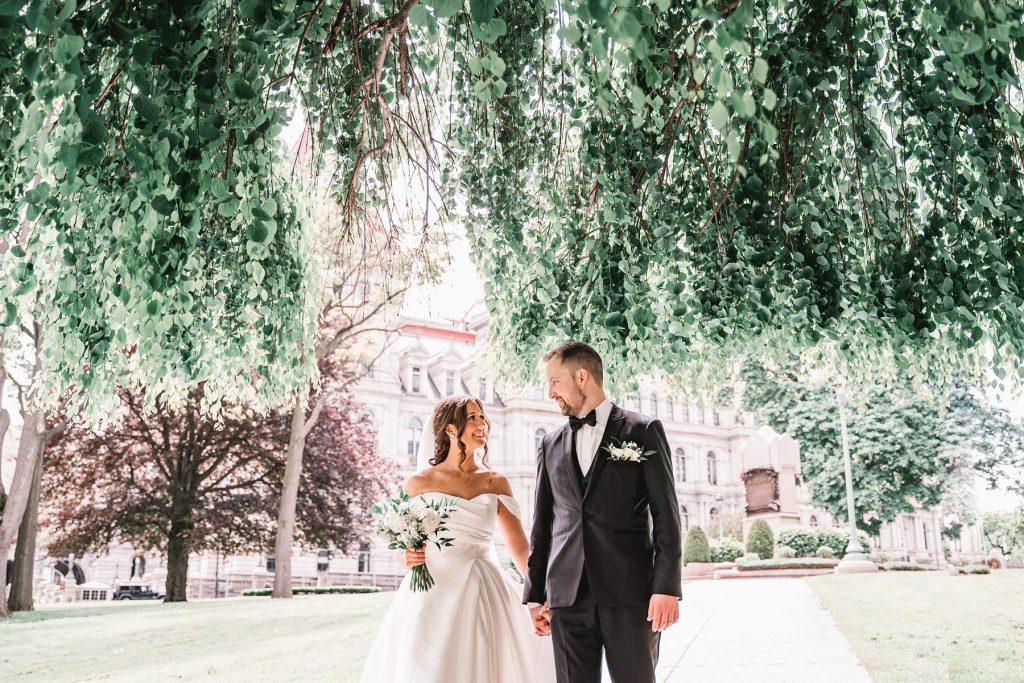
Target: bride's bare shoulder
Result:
[498, 483]
[419, 482]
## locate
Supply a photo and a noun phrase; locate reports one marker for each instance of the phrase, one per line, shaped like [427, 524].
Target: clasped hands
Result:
[662, 612]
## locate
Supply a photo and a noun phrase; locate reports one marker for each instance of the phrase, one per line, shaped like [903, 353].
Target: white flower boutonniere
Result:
[627, 451]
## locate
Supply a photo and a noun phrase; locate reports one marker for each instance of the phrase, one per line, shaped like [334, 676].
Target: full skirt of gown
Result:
[471, 626]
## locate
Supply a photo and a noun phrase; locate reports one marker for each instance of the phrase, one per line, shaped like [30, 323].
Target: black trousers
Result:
[581, 631]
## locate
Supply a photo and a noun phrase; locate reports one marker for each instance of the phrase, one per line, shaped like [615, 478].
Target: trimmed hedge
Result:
[826, 552]
[726, 550]
[795, 563]
[975, 569]
[696, 548]
[313, 590]
[760, 540]
[806, 541]
[903, 567]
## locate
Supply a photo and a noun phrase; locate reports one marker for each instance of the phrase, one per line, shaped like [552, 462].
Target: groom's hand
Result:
[541, 625]
[663, 612]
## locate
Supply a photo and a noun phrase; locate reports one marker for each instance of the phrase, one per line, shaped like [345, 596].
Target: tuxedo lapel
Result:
[612, 432]
[567, 461]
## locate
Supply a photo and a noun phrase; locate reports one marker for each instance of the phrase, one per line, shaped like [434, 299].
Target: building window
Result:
[713, 520]
[449, 383]
[323, 560]
[680, 463]
[924, 529]
[537, 437]
[483, 391]
[412, 444]
[416, 380]
[654, 405]
[712, 468]
[700, 413]
[716, 417]
[364, 559]
[271, 563]
[670, 408]
[684, 517]
[814, 521]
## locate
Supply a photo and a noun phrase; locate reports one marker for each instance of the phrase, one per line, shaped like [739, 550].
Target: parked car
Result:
[137, 593]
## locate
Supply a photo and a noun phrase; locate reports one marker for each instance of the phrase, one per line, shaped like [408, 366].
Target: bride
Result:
[471, 626]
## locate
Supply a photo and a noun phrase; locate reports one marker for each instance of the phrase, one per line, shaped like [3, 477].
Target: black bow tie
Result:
[576, 422]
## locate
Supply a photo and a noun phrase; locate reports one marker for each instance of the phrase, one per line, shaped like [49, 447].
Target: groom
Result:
[605, 553]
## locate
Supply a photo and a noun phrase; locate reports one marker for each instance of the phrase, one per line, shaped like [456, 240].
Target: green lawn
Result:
[929, 626]
[308, 638]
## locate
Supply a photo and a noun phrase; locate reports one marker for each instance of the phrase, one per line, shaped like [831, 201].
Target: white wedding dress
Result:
[471, 627]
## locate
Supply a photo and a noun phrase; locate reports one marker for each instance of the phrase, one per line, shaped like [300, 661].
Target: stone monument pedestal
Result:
[771, 463]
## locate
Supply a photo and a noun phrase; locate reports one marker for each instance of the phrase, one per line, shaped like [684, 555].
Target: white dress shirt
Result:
[588, 438]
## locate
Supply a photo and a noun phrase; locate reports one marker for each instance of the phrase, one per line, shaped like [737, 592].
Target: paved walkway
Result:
[759, 630]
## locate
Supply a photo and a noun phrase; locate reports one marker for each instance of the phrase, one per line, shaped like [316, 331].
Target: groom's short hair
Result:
[577, 355]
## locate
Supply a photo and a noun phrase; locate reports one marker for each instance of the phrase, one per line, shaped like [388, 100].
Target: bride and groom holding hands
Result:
[602, 565]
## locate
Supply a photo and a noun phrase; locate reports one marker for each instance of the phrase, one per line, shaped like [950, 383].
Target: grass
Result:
[308, 638]
[929, 626]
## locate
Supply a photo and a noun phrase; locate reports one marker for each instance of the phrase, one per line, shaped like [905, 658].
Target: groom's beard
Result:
[572, 405]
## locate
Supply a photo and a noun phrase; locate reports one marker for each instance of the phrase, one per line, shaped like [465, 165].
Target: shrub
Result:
[837, 539]
[879, 558]
[793, 563]
[784, 552]
[750, 557]
[903, 567]
[825, 552]
[959, 561]
[804, 540]
[696, 548]
[976, 569]
[725, 550]
[760, 540]
[313, 590]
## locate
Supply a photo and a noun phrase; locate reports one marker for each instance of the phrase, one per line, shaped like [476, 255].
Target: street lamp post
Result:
[854, 560]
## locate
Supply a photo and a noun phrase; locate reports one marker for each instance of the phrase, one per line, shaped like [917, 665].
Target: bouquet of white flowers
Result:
[407, 523]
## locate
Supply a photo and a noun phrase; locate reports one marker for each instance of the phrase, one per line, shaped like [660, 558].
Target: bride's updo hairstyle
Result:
[452, 411]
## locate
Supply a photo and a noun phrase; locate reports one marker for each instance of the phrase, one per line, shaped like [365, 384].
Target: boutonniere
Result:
[627, 451]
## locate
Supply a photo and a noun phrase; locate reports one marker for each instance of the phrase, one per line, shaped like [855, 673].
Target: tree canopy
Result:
[179, 483]
[674, 182]
[907, 448]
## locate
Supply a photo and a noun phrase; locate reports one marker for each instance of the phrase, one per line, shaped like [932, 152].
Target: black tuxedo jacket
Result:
[624, 528]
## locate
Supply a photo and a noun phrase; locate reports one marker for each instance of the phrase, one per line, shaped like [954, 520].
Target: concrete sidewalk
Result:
[761, 630]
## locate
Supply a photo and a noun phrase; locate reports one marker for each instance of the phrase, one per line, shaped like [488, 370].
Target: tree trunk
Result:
[20, 599]
[289, 494]
[21, 486]
[177, 564]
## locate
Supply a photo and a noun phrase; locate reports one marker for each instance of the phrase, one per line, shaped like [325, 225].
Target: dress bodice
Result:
[471, 524]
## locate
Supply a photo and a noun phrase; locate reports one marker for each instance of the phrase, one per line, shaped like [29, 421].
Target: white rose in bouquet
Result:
[431, 521]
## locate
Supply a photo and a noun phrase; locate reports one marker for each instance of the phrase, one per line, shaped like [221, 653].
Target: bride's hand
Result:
[414, 558]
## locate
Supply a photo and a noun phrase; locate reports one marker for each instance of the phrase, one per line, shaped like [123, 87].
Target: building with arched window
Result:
[712, 468]
[538, 436]
[679, 465]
